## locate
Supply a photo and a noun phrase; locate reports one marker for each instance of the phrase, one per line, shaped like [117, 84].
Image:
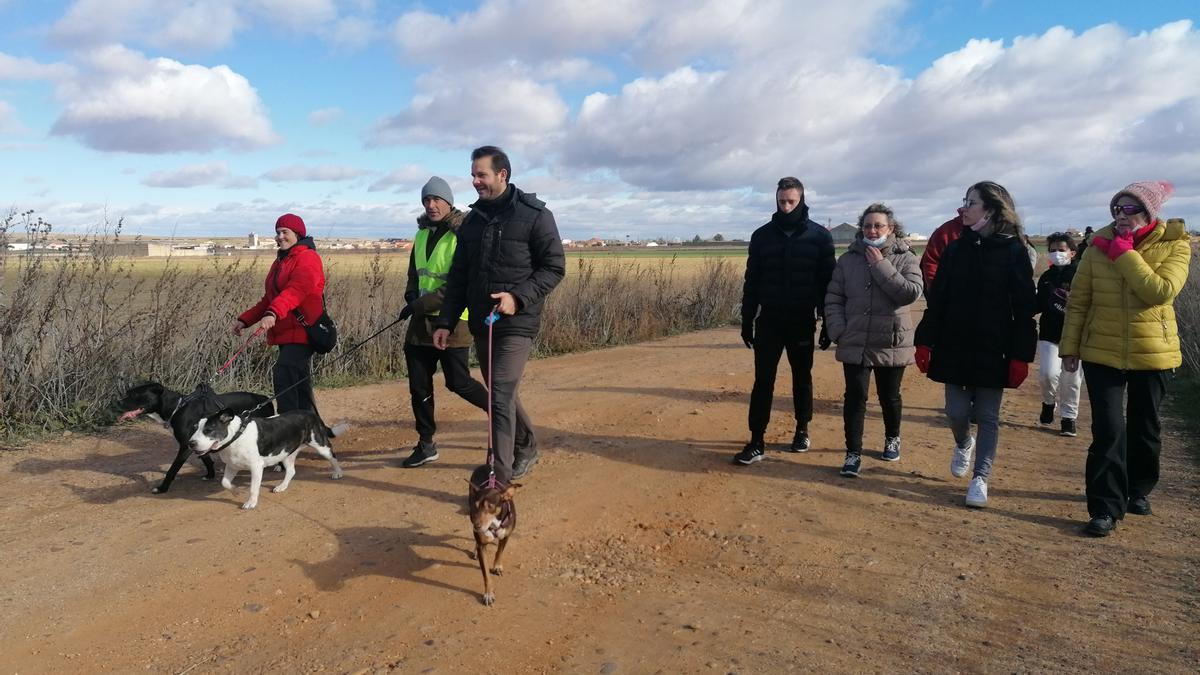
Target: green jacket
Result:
[1120, 313]
[427, 307]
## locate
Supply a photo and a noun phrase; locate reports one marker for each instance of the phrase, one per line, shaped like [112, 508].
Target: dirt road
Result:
[640, 548]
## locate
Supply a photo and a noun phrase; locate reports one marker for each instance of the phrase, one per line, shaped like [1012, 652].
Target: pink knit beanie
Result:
[1151, 194]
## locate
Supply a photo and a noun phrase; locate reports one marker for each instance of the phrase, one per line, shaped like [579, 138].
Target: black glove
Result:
[823, 340]
[748, 334]
[410, 296]
[406, 312]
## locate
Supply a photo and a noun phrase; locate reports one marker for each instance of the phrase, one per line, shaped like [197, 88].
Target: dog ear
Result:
[509, 492]
[226, 415]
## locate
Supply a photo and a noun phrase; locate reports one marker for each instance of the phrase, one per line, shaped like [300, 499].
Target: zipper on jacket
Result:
[1162, 319]
[1125, 323]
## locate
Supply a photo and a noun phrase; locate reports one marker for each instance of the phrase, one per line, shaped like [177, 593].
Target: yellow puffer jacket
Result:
[1121, 314]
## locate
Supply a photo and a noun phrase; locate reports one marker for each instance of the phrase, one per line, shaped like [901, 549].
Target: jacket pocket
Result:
[1162, 319]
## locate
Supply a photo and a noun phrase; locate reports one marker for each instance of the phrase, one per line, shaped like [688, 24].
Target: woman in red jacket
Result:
[295, 284]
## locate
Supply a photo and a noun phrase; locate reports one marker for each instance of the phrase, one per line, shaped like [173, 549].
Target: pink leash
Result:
[238, 352]
[491, 320]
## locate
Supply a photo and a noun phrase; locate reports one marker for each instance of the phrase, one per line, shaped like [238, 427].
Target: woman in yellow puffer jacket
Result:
[1121, 324]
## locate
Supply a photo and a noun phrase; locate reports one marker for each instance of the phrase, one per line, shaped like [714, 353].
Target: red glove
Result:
[1120, 245]
[1018, 370]
[923, 356]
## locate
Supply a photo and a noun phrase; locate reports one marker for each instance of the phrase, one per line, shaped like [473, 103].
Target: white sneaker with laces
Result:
[962, 458]
[977, 492]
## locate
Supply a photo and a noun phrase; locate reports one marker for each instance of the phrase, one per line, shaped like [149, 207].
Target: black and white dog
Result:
[182, 415]
[248, 443]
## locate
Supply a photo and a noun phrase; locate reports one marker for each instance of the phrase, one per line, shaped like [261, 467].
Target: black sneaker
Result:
[522, 465]
[753, 452]
[800, 442]
[891, 449]
[423, 453]
[1068, 428]
[1047, 414]
[1100, 526]
[1140, 506]
[852, 464]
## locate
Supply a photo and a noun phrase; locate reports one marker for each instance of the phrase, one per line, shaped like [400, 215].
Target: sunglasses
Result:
[1127, 209]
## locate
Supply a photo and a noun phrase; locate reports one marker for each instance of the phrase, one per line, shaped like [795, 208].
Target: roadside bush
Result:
[78, 327]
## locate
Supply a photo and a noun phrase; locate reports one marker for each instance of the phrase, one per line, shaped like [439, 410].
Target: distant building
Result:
[252, 240]
[844, 233]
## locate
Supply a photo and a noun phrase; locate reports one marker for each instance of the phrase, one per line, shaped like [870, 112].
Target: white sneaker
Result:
[962, 458]
[977, 492]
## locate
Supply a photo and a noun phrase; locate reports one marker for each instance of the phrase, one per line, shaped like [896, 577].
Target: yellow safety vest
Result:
[432, 271]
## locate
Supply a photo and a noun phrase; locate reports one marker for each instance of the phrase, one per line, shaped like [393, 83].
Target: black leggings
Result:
[887, 387]
[293, 366]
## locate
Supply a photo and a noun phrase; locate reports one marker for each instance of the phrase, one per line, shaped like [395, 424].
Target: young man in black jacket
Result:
[788, 269]
[509, 256]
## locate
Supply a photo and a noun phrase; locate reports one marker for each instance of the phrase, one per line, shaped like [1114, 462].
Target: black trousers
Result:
[422, 362]
[1122, 460]
[293, 366]
[772, 337]
[854, 408]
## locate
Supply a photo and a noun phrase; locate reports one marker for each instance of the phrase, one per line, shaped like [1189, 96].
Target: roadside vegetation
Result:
[79, 327]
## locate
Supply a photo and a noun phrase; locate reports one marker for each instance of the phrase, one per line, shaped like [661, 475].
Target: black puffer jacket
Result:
[980, 311]
[787, 276]
[1053, 289]
[510, 245]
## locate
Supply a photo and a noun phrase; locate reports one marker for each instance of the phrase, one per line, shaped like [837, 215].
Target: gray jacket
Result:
[866, 306]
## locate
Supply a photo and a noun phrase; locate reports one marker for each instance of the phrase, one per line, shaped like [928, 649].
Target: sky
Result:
[629, 118]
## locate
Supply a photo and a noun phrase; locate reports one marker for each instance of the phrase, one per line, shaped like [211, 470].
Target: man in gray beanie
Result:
[428, 266]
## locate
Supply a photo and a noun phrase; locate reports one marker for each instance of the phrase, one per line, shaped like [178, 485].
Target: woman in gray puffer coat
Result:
[866, 314]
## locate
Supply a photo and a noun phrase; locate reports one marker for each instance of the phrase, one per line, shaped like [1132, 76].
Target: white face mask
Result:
[877, 243]
[1060, 258]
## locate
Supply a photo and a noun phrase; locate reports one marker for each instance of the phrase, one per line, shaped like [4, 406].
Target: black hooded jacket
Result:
[787, 275]
[510, 244]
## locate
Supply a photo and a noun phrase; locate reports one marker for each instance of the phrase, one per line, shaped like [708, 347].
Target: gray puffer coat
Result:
[866, 306]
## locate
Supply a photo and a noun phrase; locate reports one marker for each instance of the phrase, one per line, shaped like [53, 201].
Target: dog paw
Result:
[489, 599]
[277, 468]
[337, 476]
[498, 571]
[278, 488]
[227, 484]
[158, 490]
[248, 505]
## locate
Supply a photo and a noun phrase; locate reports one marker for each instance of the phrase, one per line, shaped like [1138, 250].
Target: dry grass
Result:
[1187, 313]
[77, 329]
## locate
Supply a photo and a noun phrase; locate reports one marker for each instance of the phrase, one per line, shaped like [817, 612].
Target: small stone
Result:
[962, 577]
[608, 668]
[253, 607]
[314, 614]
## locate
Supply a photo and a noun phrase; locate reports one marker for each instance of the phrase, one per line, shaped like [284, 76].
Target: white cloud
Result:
[20, 68]
[9, 123]
[189, 176]
[323, 116]
[401, 180]
[500, 105]
[325, 172]
[352, 33]
[122, 101]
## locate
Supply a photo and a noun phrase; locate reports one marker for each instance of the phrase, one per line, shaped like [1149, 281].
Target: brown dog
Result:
[493, 519]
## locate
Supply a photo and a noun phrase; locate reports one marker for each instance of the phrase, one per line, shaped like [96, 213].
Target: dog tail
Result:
[338, 429]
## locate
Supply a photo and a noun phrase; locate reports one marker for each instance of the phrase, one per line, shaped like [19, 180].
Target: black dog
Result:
[182, 414]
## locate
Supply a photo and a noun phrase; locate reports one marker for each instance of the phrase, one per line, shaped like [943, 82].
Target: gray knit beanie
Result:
[437, 187]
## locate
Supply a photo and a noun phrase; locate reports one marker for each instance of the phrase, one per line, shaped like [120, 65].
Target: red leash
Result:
[238, 352]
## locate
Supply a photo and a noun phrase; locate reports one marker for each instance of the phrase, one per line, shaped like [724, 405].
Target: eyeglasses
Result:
[968, 203]
[1127, 209]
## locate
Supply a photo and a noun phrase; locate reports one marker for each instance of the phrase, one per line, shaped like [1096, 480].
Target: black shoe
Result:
[1100, 526]
[891, 449]
[1047, 414]
[423, 453]
[852, 464]
[753, 452]
[800, 442]
[522, 465]
[1139, 506]
[1068, 428]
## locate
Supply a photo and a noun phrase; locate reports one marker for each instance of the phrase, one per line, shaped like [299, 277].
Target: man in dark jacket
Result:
[428, 265]
[787, 272]
[510, 257]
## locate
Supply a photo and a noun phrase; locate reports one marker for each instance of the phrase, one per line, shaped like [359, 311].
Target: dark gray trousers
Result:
[512, 432]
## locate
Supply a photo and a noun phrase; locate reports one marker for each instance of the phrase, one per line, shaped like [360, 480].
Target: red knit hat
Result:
[1151, 194]
[292, 222]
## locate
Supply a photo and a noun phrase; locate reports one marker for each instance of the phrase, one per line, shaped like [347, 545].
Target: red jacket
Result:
[938, 241]
[295, 281]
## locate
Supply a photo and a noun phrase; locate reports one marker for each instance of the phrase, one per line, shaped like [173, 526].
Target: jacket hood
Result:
[893, 244]
[306, 242]
[453, 220]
